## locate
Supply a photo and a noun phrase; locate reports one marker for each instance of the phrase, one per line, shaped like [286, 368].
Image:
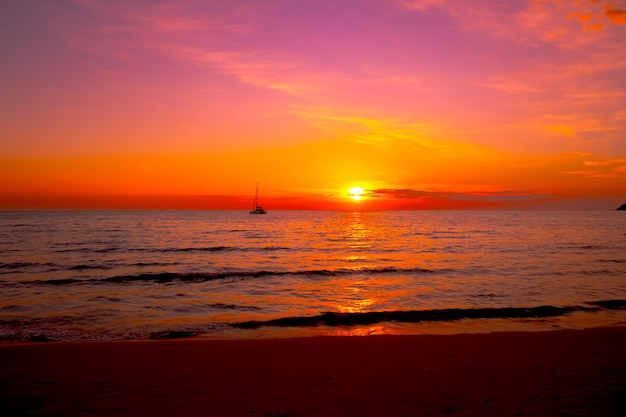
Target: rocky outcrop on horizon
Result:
[622, 207]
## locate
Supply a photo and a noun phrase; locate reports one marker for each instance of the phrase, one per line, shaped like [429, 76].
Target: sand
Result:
[555, 373]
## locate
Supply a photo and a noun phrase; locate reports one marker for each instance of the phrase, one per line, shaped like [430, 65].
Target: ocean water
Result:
[132, 275]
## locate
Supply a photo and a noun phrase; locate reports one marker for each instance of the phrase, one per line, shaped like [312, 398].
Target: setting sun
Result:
[356, 193]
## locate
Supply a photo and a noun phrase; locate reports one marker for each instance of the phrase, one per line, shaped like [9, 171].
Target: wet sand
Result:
[555, 373]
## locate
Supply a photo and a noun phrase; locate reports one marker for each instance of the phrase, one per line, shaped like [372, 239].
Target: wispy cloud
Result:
[498, 196]
[367, 127]
[604, 162]
[200, 33]
[603, 168]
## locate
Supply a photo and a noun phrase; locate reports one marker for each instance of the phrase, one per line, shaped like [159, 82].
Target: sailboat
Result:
[256, 209]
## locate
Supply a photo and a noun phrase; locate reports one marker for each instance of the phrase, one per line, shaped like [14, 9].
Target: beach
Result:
[551, 373]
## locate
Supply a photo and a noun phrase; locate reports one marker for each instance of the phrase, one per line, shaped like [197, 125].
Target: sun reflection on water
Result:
[360, 331]
[358, 232]
[356, 306]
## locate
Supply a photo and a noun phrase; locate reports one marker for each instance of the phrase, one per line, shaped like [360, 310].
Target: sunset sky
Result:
[421, 103]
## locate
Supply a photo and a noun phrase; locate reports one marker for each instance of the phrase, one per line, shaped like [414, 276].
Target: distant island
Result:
[622, 207]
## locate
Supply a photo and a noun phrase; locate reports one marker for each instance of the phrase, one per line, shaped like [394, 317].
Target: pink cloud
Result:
[492, 73]
[529, 22]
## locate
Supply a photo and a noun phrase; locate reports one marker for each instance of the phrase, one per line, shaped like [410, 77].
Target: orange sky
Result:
[422, 103]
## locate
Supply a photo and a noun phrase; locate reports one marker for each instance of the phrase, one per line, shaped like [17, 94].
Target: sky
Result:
[411, 104]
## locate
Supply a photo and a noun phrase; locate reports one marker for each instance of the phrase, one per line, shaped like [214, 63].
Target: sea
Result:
[138, 275]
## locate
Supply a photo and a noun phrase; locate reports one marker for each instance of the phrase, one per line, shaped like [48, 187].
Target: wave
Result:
[617, 261]
[175, 250]
[154, 264]
[166, 277]
[222, 306]
[89, 250]
[51, 267]
[13, 265]
[172, 334]
[213, 249]
[418, 316]
[609, 304]
[83, 266]
[190, 249]
[7, 268]
[19, 265]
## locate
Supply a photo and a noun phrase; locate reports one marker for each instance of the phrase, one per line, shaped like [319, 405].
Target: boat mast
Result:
[256, 197]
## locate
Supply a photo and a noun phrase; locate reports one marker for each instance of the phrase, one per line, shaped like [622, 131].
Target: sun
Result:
[356, 193]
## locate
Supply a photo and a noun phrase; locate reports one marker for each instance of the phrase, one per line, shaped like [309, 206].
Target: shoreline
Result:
[579, 319]
[548, 373]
